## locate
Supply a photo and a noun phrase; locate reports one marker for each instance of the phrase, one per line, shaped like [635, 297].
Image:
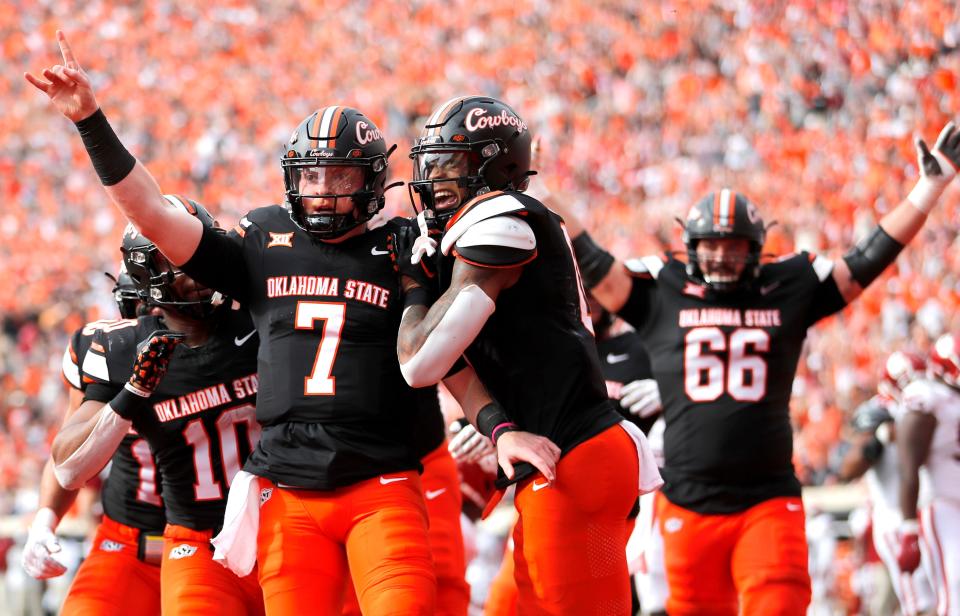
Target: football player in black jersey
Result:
[197, 417]
[332, 489]
[121, 575]
[513, 305]
[725, 333]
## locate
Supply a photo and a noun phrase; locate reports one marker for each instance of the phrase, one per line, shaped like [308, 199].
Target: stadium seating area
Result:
[809, 108]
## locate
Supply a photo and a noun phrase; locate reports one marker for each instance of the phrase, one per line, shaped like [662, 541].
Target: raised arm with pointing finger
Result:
[128, 182]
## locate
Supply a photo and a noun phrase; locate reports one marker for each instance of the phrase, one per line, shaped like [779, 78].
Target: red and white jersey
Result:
[943, 461]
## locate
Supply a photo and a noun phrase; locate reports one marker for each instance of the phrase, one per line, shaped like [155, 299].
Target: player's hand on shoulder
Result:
[467, 444]
[153, 359]
[42, 544]
[519, 446]
[641, 398]
[67, 85]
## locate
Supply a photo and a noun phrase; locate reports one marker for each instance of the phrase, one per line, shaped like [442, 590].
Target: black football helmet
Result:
[125, 293]
[333, 138]
[155, 277]
[719, 215]
[478, 144]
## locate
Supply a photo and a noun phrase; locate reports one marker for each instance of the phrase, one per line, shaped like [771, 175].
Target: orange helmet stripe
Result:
[442, 113]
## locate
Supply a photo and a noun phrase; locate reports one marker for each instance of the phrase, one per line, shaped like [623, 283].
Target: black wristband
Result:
[871, 256]
[489, 417]
[416, 296]
[127, 404]
[594, 261]
[110, 159]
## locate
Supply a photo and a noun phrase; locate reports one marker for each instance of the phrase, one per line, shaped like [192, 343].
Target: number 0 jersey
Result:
[200, 422]
[131, 492]
[536, 354]
[334, 407]
[725, 364]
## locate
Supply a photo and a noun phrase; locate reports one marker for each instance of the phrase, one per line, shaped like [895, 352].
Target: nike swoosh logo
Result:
[377, 253]
[432, 494]
[770, 287]
[616, 359]
[241, 341]
[388, 480]
[793, 506]
[539, 486]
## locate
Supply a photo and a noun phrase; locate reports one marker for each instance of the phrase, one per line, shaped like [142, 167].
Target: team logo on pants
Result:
[182, 551]
[110, 546]
[265, 495]
[672, 525]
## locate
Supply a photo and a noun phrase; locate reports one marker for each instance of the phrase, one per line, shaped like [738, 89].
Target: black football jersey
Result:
[623, 359]
[725, 364]
[536, 354]
[201, 421]
[131, 492]
[334, 407]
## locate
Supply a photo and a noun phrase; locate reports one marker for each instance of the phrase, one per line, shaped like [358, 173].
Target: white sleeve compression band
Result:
[94, 453]
[457, 328]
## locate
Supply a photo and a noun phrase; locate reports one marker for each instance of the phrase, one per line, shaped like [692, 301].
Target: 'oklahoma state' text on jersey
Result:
[725, 364]
[201, 419]
[131, 492]
[536, 354]
[334, 407]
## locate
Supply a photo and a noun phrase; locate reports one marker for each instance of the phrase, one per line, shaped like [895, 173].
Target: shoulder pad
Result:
[920, 396]
[70, 364]
[822, 266]
[268, 215]
[645, 267]
[500, 241]
[481, 208]
[114, 348]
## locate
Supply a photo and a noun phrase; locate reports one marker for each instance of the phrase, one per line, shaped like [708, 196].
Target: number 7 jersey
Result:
[725, 364]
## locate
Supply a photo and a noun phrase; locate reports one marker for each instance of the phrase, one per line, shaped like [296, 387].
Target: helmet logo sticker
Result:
[752, 214]
[367, 134]
[477, 119]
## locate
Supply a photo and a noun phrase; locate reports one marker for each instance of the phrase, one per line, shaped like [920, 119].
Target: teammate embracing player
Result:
[512, 304]
[725, 332]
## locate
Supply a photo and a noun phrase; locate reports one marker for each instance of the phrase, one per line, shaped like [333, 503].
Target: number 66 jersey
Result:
[725, 364]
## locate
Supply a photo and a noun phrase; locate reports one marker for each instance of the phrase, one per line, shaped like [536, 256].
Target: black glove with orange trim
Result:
[153, 357]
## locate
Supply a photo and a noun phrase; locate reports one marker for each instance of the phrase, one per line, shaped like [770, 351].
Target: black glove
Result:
[153, 357]
[410, 243]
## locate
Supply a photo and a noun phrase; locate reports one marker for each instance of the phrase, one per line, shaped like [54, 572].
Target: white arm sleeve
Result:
[457, 328]
[94, 453]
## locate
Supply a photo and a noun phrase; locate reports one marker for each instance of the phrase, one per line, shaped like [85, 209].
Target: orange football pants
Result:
[374, 531]
[192, 583]
[502, 597]
[752, 562]
[112, 580]
[441, 490]
[571, 537]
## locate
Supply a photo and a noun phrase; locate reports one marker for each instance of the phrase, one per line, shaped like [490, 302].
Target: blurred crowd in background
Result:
[809, 107]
